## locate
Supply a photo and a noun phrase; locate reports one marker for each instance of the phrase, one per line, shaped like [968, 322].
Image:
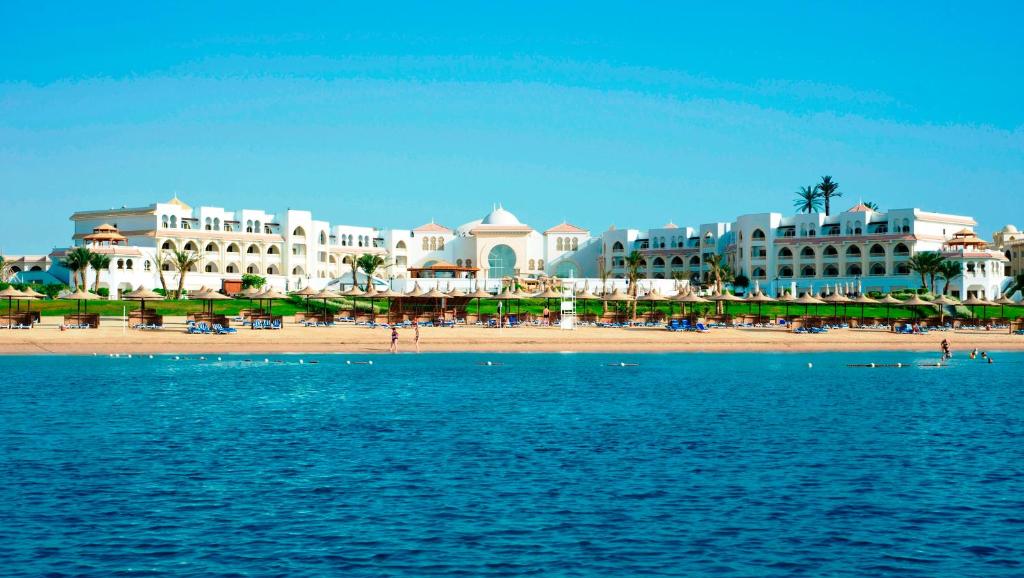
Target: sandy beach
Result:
[46, 338]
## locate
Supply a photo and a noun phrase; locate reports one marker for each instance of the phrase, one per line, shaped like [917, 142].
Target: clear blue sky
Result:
[628, 114]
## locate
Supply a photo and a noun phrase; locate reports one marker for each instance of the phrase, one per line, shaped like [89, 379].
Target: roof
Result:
[963, 232]
[670, 225]
[176, 201]
[860, 208]
[432, 227]
[565, 227]
[500, 216]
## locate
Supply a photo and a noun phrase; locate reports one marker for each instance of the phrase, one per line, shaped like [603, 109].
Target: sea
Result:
[682, 464]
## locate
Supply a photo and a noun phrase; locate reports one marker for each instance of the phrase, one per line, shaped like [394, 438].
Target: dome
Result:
[500, 216]
[465, 228]
[1009, 229]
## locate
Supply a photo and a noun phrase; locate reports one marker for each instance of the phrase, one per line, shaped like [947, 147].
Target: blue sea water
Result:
[542, 464]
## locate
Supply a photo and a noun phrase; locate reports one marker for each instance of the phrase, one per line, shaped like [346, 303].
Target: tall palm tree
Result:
[949, 270]
[98, 263]
[871, 205]
[602, 274]
[77, 261]
[354, 263]
[808, 199]
[159, 260]
[633, 264]
[182, 261]
[719, 274]
[1016, 285]
[926, 264]
[369, 263]
[829, 190]
[5, 269]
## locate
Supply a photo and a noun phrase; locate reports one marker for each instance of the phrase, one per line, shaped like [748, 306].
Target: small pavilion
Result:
[443, 270]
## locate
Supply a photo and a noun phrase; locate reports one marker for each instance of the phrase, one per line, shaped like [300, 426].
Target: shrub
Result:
[250, 280]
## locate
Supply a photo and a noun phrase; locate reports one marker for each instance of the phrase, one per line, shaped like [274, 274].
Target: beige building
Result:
[1011, 242]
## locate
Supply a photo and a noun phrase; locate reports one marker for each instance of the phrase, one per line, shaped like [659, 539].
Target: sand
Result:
[46, 338]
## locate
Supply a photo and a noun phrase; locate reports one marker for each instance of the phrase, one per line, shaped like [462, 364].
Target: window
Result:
[502, 261]
[877, 251]
[426, 243]
[469, 262]
[190, 246]
[695, 261]
[273, 270]
[902, 269]
[676, 262]
[120, 263]
[163, 221]
[252, 270]
[853, 251]
[758, 273]
[558, 244]
[659, 263]
[323, 238]
[808, 271]
[232, 248]
[400, 245]
[146, 265]
[877, 269]
[211, 248]
[575, 243]
[853, 270]
[209, 224]
[167, 246]
[901, 250]
[540, 264]
[128, 264]
[617, 247]
[273, 250]
[757, 235]
[807, 253]
[252, 250]
[440, 243]
[458, 262]
[231, 269]
[785, 254]
[433, 243]
[533, 264]
[831, 251]
[831, 270]
[785, 271]
[211, 268]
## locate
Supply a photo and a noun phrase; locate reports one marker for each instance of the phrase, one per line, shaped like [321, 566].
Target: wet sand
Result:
[46, 338]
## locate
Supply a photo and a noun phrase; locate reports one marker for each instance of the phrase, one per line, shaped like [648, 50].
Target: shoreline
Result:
[47, 339]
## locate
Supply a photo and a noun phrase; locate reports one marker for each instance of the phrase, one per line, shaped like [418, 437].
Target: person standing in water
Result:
[394, 340]
[417, 338]
[945, 349]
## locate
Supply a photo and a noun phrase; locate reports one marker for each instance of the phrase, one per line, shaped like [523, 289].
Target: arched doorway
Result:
[501, 261]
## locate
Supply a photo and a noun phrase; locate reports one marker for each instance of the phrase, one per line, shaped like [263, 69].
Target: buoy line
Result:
[623, 364]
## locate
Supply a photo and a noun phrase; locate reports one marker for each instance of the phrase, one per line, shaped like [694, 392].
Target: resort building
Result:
[861, 246]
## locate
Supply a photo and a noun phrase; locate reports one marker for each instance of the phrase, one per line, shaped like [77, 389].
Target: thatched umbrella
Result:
[785, 298]
[306, 292]
[689, 297]
[585, 295]
[209, 296]
[835, 298]
[617, 296]
[759, 298]
[79, 295]
[807, 300]
[976, 301]
[863, 300]
[142, 295]
[271, 295]
[33, 294]
[547, 295]
[372, 294]
[437, 295]
[651, 297]
[326, 294]
[942, 301]
[1002, 302]
[519, 295]
[916, 301]
[888, 300]
[479, 294]
[12, 294]
[389, 294]
[724, 298]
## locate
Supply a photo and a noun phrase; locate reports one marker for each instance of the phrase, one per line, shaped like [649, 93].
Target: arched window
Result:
[758, 273]
[256, 227]
[166, 266]
[857, 230]
[785, 271]
[695, 261]
[231, 269]
[323, 238]
[803, 230]
[433, 243]
[216, 223]
[120, 263]
[853, 251]
[785, 254]
[210, 248]
[163, 221]
[174, 222]
[877, 250]
[273, 270]
[811, 232]
[617, 247]
[831, 270]
[190, 246]
[853, 269]
[211, 268]
[757, 235]
[299, 232]
[350, 241]
[128, 264]
[808, 271]
[831, 251]
[906, 225]
[146, 265]
[659, 262]
[253, 269]
[807, 252]
[273, 250]
[540, 264]
[252, 250]
[185, 224]
[533, 263]
[248, 226]
[167, 246]
[426, 243]
[877, 269]
[575, 243]
[208, 225]
[297, 271]
[558, 244]
[440, 243]
[232, 248]
[469, 262]
[400, 245]
[902, 269]
[901, 250]
[676, 262]
[458, 262]
[502, 261]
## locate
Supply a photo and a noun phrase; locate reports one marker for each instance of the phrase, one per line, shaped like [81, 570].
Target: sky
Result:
[600, 114]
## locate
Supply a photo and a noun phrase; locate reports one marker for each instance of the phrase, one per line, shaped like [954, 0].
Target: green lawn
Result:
[533, 306]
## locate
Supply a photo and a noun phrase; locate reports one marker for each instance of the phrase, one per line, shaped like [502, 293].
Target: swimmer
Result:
[974, 353]
[394, 340]
[984, 355]
[417, 337]
[990, 360]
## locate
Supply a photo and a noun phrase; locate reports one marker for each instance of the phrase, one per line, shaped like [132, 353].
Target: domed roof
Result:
[499, 216]
[1009, 229]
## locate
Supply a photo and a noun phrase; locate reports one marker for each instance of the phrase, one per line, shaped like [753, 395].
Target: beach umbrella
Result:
[976, 301]
[651, 297]
[807, 300]
[519, 295]
[1002, 302]
[689, 297]
[863, 300]
[79, 295]
[325, 294]
[479, 294]
[12, 294]
[247, 293]
[759, 298]
[585, 295]
[33, 294]
[547, 295]
[942, 301]
[142, 295]
[723, 298]
[617, 296]
[785, 298]
[916, 301]
[306, 292]
[835, 298]
[389, 294]
[209, 296]
[888, 300]
[271, 295]
[436, 295]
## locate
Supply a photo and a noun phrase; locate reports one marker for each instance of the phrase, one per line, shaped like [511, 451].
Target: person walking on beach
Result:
[417, 338]
[394, 340]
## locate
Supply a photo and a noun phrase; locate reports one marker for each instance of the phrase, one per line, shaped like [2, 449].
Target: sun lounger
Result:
[221, 330]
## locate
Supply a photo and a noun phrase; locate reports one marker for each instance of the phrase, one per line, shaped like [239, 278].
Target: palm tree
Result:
[160, 259]
[871, 205]
[369, 263]
[808, 199]
[98, 263]
[602, 274]
[182, 261]
[719, 274]
[926, 264]
[1016, 285]
[77, 261]
[354, 263]
[5, 269]
[949, 270]
[633, 264]
[829, 189]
